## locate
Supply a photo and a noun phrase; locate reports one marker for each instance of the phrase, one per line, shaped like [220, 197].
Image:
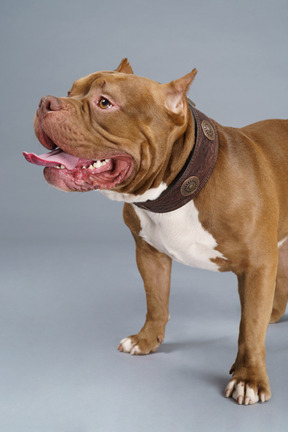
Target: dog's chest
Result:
[180, 235]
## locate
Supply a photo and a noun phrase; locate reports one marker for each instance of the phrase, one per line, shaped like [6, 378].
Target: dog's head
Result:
[115, 130]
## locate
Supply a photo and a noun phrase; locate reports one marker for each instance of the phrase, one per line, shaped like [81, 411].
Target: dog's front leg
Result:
[155, 269]
[249, 382]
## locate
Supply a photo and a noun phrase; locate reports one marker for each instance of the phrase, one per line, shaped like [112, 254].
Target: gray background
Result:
[69, 286]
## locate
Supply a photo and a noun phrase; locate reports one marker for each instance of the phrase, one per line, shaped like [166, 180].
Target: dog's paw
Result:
[245, 394]
[128, 346]
[137, 346]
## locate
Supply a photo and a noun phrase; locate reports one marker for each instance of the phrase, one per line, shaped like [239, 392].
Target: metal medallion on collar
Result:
[190, 185]
[208, 130]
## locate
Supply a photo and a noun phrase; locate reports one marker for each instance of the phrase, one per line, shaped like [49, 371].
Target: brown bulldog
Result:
[208, 196]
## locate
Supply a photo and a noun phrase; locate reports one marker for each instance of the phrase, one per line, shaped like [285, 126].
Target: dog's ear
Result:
[176, 90]
[125, 67]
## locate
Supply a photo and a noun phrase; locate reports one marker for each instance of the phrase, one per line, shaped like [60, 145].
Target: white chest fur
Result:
[180, 235]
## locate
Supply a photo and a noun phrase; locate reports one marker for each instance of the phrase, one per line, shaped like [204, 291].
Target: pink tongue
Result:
[55, 157]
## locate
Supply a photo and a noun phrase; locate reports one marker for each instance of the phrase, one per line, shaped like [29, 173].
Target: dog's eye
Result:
[104, 103]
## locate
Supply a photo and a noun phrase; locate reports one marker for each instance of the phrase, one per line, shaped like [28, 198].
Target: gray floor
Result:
[64, 308]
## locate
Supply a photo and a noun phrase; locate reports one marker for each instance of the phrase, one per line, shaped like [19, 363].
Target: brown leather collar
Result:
[196, 172]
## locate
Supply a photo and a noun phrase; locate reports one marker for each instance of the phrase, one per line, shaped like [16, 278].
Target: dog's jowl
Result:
[208, 196]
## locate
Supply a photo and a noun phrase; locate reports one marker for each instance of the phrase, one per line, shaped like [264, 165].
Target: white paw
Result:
[127, 346]
[242, 393]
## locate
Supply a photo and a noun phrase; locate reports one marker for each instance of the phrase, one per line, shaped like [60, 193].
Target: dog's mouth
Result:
[70, 173]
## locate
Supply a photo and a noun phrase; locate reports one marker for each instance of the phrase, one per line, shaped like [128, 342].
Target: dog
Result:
[208, 196]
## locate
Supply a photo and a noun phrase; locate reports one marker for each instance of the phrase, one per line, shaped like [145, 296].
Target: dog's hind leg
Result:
[281, 291]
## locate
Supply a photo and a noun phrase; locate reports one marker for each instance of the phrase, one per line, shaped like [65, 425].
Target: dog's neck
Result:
[195, 172]
[191, 163]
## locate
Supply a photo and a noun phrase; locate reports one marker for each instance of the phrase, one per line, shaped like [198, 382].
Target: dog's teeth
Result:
[97, 164]
[62, 167]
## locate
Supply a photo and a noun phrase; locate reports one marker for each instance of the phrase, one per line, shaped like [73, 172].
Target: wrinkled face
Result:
[111, 132]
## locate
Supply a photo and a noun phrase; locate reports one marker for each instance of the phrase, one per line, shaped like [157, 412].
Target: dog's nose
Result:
[49, 103]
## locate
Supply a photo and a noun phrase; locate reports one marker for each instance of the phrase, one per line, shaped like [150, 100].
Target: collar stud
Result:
[208, 130]
[189, 186]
